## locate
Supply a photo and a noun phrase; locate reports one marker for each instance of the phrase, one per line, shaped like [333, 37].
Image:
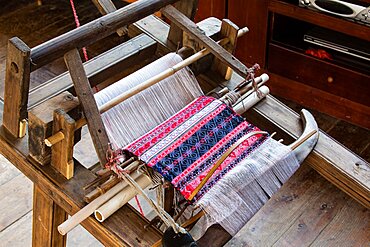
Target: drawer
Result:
[319, 74]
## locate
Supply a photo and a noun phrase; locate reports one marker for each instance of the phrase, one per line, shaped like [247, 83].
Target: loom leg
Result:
[47, 215]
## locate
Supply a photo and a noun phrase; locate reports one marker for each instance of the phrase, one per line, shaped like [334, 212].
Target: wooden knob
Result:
[330, 79]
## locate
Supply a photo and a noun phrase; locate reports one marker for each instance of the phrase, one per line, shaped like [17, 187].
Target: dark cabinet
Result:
[337, 84]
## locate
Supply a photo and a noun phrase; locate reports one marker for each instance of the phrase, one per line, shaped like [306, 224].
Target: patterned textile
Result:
[184, 148]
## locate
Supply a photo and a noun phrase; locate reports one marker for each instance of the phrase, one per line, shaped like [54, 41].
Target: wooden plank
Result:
[17, 82]
[188, 8]
[218, 51]
[350, 227]
[314, 218]
[7, 171]
[62, 152]
[93, 31]
[297, 214]
[18, 234]
[47, 215]
[90, 109]
[228, 30]
[98, 69]
[16, 200]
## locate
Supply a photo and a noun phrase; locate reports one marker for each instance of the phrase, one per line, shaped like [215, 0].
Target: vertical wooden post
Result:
[17, 82]
[47, 215]
[86, 97]
[62, 152]
[228, 30]
[188, 8]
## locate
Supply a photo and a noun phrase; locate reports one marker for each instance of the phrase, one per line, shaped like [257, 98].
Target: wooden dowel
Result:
[123, 197]
[59, 136]
[168, 72]
[94, 31]
[250, 100]
[85, 212]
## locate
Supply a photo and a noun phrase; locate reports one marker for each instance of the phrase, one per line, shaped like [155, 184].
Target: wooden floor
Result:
[35, 24]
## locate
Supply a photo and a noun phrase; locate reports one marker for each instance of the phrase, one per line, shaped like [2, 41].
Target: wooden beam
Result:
[47, 215]
[218, 51]
[106, 7]
[117, 60]
[62, 152]
[89, 107]
[17, 82]
[94, 31]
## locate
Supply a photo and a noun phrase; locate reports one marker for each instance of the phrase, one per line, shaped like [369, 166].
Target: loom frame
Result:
[59, 195]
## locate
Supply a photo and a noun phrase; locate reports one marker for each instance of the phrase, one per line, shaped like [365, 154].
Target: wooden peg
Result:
[17, 82]
[228, 30]
[62, 152]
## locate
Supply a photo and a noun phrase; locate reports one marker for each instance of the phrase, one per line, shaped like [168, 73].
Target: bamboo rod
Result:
[85, 212]
[101, 189]
[168, 72]
[120, 199]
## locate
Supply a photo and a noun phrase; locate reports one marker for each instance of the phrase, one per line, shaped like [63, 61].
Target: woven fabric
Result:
[184, 148]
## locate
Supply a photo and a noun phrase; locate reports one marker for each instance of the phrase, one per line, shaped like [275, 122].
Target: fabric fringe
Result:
[247, 187]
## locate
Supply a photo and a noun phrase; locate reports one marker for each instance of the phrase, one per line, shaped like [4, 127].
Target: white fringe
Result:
[233, 200]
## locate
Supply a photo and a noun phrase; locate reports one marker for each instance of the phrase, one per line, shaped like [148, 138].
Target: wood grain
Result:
[98, 69]
[218, 51]
[40, 124]
[17, 82]
[188, 8]
[62, 152]
[228, 30]
[300, 212]
[93, 31]
[47, 215]
[322, 101]
[253, 14]
[86, 97]
[16, 200]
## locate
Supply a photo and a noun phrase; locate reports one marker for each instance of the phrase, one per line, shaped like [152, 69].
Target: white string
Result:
[235, 198]
[149, 108]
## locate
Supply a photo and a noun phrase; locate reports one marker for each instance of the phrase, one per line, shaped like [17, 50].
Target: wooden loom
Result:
[22, 60]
